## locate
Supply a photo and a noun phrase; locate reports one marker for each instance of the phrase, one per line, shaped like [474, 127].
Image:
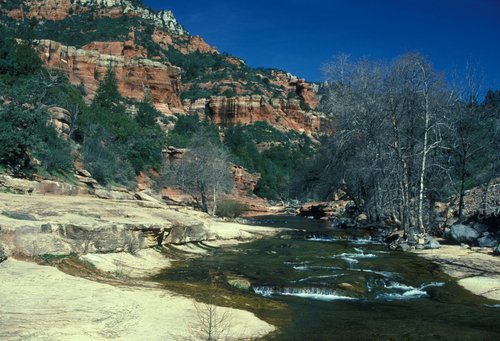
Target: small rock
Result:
[432, 244]
[239, 283]
[403, 247]
[419, 247]
[83, 172]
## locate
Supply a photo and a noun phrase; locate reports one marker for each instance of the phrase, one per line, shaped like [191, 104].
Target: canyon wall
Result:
[134, 73]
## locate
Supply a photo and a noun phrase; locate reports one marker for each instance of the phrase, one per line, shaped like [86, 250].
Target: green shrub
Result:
[24, 133]
[105, 164]
[131, 143]
[230, 209]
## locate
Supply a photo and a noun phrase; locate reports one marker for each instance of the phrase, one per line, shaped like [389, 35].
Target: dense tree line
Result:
[404, 139]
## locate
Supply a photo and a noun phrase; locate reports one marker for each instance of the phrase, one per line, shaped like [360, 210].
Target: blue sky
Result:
[300, 36]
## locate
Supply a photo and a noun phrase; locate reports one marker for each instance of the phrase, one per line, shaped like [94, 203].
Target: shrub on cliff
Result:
[24, 135]
[131, 141]
[25, 132]
[17, 59]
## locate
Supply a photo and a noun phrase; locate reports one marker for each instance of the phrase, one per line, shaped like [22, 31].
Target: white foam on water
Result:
[382, 273]
[308, 293]
[358, 255]
[364, 241]
[301, 267]
[350, 260]
[410, 294]
[318, 277]
[406, 292]
[432, 284]
[320, 297]
[323, 240]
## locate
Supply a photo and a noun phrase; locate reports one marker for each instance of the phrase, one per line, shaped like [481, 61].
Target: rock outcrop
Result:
[61, 9]
[60, 118]
[134, 74]
[63, 225]
[281, 113]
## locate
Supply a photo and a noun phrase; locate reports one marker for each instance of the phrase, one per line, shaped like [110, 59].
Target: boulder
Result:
[183, 234]
[19, 215]
[239, 283]
[392, 238]
[481, 228]
[56, 188]
[487, 241]
[432, 244]
[113, 194]
[83, 172]
[464, 234]
[3, 255]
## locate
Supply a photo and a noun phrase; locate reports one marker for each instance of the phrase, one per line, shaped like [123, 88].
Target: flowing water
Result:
[332, 286]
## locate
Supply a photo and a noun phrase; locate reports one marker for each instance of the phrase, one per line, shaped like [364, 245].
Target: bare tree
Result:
[388, 123]
[203, 172]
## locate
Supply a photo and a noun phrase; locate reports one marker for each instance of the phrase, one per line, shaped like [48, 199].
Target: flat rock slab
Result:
[145, 263]
[476, 269]
[488, 287]
[42, 303]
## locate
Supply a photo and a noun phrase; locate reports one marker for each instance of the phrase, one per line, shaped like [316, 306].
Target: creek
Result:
[317, 283]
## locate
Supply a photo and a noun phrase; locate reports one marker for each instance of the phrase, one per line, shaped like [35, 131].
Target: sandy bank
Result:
[42, 303]
[476, 270]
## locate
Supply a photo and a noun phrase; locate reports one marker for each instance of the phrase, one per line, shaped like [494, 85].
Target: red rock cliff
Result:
[134, 73]
[281, 113]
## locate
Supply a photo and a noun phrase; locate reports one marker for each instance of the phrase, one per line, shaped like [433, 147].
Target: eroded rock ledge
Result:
[33, 225]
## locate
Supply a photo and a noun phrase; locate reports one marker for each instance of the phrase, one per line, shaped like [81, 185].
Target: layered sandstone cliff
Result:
[134, 73]
[281, 113]
[61, 9]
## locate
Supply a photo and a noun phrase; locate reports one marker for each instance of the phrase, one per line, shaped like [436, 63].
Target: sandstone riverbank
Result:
[121, 244]
[476, 269]
[43, 303]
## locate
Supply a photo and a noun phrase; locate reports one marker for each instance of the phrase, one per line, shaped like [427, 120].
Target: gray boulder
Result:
[464, 234]
[432, 244]
[487, 241]
[481, 228]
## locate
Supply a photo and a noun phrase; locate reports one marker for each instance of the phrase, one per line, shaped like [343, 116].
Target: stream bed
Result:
[320, 284]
